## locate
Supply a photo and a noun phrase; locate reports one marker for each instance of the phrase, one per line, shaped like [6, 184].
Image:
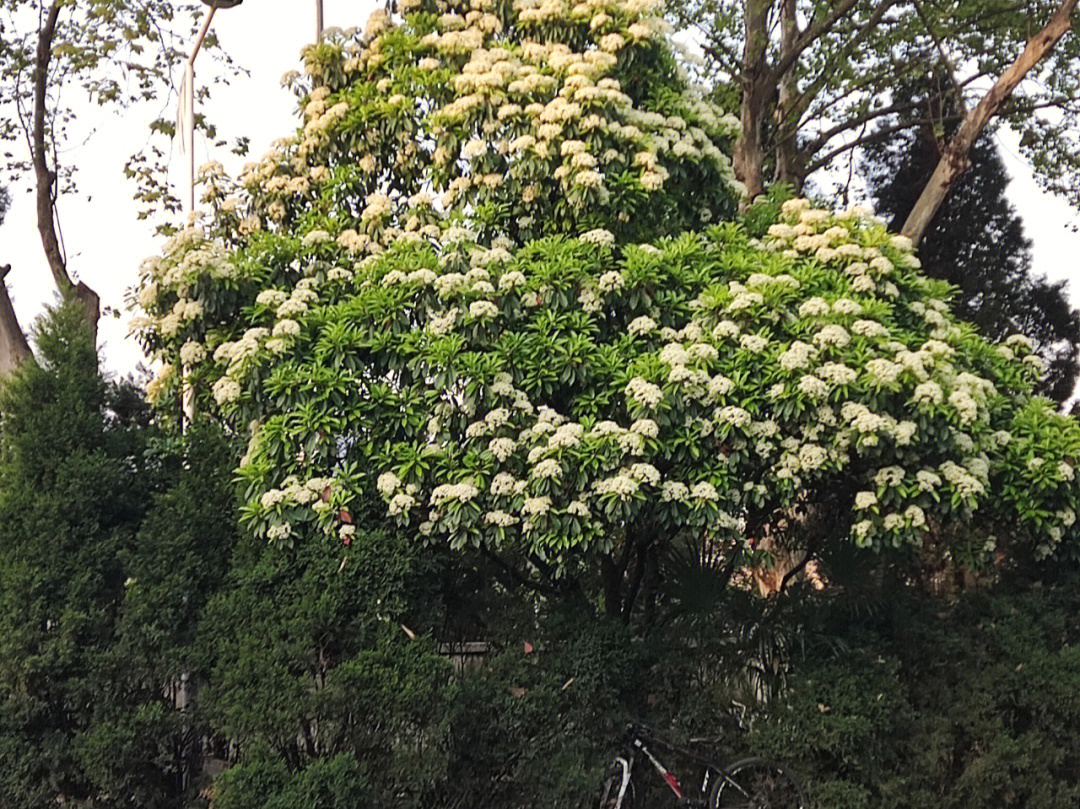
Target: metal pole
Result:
[189, 99]
[318, 20]
[188, 398]
[189, 133]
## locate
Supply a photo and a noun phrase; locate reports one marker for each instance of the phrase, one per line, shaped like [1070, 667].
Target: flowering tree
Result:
[481, 282]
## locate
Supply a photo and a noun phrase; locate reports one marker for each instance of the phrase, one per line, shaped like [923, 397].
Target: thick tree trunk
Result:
[786, 119]
[14, 347]
[749, 155]
[760, 81]
[954, 161]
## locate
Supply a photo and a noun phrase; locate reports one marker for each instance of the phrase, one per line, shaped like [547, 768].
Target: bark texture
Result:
[761, 79]
[14, 347]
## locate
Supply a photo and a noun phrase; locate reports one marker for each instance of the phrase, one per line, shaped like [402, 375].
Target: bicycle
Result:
[749, 783]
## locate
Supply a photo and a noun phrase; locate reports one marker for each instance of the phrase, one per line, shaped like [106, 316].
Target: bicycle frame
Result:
[639, 747]
[627, 766]
[671, 780]
[618, 788]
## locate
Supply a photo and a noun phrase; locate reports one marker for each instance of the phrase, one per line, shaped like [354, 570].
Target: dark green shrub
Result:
[921, 704]
[267, 783]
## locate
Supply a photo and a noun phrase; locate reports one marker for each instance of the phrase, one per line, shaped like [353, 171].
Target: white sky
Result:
[106, 242]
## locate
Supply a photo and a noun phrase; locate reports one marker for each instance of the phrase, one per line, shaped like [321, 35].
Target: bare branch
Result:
[810, 35]
[942, 53]
[871, 23]
[877, 134]
[954, 161]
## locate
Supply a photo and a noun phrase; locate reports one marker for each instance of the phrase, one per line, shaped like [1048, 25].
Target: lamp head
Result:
[222, 3]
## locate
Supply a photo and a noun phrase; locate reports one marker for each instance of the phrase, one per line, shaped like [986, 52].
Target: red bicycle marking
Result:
[674, 784]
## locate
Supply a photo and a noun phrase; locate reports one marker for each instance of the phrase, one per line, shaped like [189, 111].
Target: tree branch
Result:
[954, 161]
[822, 140]
[877, 134]
[871, 23]
[943, 54]
[515, 575]
[45, 177]
[810, 35]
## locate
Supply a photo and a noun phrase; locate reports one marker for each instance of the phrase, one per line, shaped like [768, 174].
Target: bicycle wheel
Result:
[609, 797]
[756, 783]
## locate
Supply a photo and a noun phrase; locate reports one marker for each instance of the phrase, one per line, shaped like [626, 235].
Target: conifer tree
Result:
[70, 502]
[111, 540]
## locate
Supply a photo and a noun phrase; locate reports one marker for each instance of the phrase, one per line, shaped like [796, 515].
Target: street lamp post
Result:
[318, 21]
[188, 142]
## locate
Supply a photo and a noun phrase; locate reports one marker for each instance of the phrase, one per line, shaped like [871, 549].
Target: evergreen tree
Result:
[107, 544]
[315, 679]
[70, 502]
[977, 242]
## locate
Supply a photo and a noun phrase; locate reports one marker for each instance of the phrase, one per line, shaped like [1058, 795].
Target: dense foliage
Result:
[889, 699]
[912, 702]
[504, 361]
[110, 540]
[539, 366]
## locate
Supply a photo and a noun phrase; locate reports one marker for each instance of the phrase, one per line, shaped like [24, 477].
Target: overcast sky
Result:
[106, 242]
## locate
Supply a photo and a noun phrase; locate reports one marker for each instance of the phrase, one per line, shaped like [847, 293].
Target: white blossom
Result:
[536, 506]
[643, 392]
[502, 448]
[483, 310]
[735, 416]
[753, 343]
[547, 469]
[461, 492]
[226, 390]
[704, 491]
[832, 335]
[610, 281]
[864, 500]
[599, 236]
[929, 392]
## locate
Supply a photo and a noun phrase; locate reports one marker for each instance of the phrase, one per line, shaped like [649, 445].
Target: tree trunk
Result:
[760, 82]
[14, 347]
[770, 580]
[749, 155]
[45, 178]
[786, 120]
[954, 161]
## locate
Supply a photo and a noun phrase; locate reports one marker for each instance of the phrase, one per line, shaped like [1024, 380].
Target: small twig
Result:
[944, 55]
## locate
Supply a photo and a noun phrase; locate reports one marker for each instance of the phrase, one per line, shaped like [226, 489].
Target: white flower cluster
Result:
[644, 392]
[459, 492]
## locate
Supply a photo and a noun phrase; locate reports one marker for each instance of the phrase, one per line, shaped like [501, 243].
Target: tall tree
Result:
[111, 542]
[70, 502]
[548, 366]
[816, 77]
[976, 241]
